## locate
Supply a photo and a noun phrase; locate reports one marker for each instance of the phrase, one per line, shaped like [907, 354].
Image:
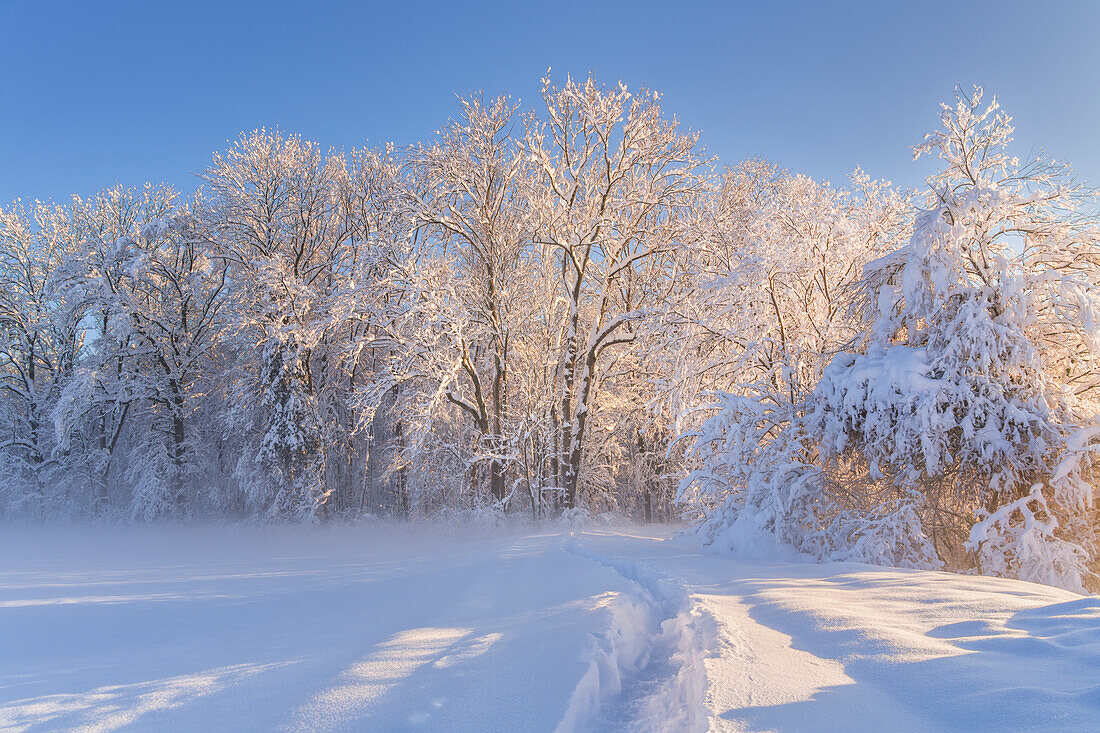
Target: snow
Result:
[899, 370]
[429, 627]
[844, 646]
[369, 628]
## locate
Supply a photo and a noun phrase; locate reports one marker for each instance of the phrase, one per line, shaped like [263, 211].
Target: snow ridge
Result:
[646, 672]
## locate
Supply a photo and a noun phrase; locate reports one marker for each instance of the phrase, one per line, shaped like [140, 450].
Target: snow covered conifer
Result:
[976, 391]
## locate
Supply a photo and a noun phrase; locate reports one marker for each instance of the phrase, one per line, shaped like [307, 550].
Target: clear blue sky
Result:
[94, 93]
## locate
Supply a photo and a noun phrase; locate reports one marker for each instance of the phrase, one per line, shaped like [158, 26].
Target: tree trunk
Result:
[577, 429]
[402, 478]
[496, 480]
[99, 490]
[177, 449]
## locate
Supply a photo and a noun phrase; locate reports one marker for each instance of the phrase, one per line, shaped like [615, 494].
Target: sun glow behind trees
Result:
[571, 310]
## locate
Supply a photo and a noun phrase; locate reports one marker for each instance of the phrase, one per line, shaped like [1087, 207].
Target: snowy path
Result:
[385, 628]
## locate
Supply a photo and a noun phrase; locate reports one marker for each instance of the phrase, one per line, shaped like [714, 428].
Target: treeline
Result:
[571, 309]
[448, 326]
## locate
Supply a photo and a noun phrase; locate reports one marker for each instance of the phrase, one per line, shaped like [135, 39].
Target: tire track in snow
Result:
[647, 671]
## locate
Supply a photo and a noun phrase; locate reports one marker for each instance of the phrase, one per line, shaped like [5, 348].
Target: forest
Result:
[568, 311]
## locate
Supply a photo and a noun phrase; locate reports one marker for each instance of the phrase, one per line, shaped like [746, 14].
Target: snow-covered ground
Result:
[381, 628]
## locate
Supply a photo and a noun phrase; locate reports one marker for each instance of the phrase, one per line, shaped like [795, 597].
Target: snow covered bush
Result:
[968, 411]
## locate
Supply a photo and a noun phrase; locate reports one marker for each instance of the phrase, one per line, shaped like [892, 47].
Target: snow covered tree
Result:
[276, 212]
[154, 296]
[615, 188]
[356, 433]
[468, 196]
[976, 390]
[39, 342]
[101, 401]
[148, 294]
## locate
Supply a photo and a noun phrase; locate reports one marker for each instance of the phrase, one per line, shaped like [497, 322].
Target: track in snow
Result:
[660, 689]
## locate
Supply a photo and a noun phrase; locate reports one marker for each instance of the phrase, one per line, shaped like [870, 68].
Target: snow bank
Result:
[844, 646]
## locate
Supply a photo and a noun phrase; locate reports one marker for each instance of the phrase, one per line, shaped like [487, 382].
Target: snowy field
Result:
[381, 628]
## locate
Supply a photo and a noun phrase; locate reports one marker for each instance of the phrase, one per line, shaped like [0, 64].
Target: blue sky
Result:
[94, 93]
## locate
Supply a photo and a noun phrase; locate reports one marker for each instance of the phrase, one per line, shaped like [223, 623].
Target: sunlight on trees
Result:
[570, 311]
